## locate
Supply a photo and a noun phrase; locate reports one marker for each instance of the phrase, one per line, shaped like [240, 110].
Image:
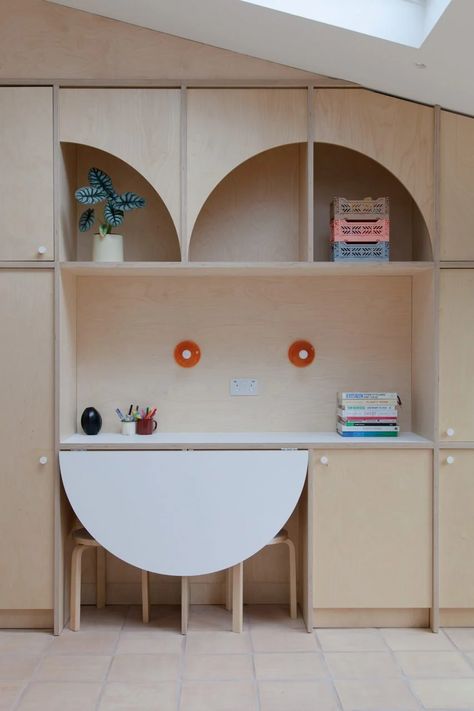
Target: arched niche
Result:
[149, 233]
[255, 213]
[343, 172]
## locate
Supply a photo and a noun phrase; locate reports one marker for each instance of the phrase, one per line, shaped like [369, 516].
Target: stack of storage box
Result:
[360, 229]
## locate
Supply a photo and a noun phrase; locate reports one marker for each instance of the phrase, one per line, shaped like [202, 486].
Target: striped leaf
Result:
[90, 195]
[86, 220]
[128, 201]
[112, 215]
[99, 179]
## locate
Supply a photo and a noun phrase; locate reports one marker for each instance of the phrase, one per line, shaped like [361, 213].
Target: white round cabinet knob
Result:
[43, 460]
[186, 354]
[303, 354]
[450, 460]
[450, 432]
[42, 249]
[324, 460]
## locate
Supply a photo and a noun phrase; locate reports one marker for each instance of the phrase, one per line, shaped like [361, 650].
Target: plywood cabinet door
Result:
[456, 528]
[456, 355]
[456, 186]
[397, 134]
[26, 173]
[372, 529]
[26, 439]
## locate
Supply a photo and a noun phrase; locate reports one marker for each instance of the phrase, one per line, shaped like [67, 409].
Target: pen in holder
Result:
[146, 426]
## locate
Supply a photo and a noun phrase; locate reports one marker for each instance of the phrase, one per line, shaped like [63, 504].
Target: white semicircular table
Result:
[183, 513]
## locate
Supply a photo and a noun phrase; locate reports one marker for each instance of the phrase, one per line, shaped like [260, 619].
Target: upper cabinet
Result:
[456, 355]
[399, 136]
[26, 173]
[456, 186]
[246, 174]
[135, 134]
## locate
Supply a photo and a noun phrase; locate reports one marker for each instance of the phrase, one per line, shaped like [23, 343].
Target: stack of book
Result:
[367, 414]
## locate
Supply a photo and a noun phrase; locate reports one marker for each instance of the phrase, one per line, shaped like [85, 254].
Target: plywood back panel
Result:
[456, 186]
[26, 172]
[127, 329]
[398, 134]
[216, 140]
[140, 126]
[253, 214]
[347, 173]
[149, 233]
[423, 355]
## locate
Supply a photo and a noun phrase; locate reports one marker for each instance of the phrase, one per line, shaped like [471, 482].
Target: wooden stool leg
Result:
[75, 600]
[185, 595]
[237, 597]
[101, 577]
[228, 589]
[293, 601]
[145, 597]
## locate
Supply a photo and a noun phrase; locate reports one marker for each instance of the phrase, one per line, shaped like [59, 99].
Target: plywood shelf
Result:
[291, 269]
[242, 440]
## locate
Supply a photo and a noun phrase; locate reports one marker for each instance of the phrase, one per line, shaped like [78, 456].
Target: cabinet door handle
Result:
[450, 460]
[42, 249]
[43, 460]
[450, 432]
[324, 460]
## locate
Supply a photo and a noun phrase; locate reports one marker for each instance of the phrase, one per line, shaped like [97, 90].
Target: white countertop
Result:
[242, 440]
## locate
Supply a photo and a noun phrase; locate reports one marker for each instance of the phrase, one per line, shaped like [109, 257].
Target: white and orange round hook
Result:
[301, 353]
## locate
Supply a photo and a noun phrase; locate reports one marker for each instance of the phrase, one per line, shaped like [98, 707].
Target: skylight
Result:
[407, 22]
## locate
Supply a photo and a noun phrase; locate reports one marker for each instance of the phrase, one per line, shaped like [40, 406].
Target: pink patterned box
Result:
[360, 231]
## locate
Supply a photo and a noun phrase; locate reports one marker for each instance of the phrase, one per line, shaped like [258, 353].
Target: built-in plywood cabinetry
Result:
[27, 445]
[372, 529]
[456, 187]
[26, 173]
[456, 353]
[456, 529]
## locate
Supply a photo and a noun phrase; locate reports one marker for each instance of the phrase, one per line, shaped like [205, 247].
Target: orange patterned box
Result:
[360, 231]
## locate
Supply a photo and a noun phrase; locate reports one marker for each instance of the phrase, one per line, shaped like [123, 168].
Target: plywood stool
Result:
[83, 540]
[234, 591]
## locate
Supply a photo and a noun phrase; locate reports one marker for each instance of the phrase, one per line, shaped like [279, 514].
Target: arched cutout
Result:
[149, 234]
[340, 171]
[254, 213]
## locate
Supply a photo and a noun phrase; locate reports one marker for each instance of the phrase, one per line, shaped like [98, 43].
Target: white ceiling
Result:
[267, 33]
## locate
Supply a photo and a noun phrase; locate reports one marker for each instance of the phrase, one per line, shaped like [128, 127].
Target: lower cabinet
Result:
[26, 441]
[456, 529]
[372, 529]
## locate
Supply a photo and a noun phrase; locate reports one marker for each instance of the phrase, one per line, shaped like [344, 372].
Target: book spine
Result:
[367, 403]
[368, 434]
[367, 423]
[368, 396]
[363, 428]
[367, 414]
[362, 411]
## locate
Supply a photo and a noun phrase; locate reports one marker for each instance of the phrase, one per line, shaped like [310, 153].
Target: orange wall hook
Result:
[301, 353]
[187, 354]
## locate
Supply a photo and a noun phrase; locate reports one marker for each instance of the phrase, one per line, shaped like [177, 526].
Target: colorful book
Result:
[368, 403]
[367, 434]
[367, 423]
[367, 415]
[367, 396]
[362, 411]
[365, 428]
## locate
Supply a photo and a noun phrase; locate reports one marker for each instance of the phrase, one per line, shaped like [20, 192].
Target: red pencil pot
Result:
[146, 427]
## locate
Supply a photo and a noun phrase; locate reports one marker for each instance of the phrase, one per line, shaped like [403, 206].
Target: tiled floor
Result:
[115, 662]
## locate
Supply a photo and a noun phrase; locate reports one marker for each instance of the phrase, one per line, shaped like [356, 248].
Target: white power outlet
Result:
[243, 386]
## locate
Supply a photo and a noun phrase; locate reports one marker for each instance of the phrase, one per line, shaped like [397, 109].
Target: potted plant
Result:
[107, 247]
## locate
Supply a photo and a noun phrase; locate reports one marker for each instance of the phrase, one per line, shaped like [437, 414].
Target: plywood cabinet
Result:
[26, 173]
[372, 529]
[456, 528]
[456, 186]
[456, 354]
[26, 440]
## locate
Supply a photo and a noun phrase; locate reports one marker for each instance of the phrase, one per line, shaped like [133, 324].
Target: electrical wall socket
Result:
[243, 386]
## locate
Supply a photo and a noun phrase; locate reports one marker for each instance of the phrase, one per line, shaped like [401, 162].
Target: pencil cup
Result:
[128, 428]
[146, 427]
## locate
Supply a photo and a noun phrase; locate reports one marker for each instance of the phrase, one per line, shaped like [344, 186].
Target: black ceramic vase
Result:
[91, 421]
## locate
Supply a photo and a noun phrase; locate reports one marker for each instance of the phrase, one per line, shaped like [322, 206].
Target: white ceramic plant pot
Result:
[108, 248]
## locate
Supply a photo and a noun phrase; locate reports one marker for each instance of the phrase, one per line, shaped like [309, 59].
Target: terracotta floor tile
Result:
[201, 642]
[85, 642]
[59, 696]
[422, 640]
[351, 640]
[24, 642]
[17, 667]
[284, 665]
[73, 667]
[388, 694]
[362, 665]
[283, 640]
[445, 693]
[218, 666]
[9, 692]
[297, 696]
[144, 668]
[140, 697]
[463, 637]
[434, 664]
[219, 696]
